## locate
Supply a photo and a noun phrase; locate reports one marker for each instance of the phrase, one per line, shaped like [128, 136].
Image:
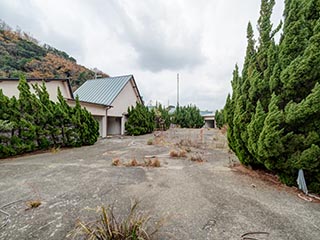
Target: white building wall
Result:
[10, 88]
[126, 98]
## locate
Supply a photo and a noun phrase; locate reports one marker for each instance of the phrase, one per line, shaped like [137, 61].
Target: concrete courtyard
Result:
[206, 200]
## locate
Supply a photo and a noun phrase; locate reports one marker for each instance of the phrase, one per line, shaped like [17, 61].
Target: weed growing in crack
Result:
[135, 225]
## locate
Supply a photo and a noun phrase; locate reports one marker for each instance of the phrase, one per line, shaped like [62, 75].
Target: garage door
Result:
[114, 126]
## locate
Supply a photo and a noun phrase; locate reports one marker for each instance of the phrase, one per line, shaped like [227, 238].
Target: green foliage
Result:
[34, 122]
[162, 117]
[140, 120]
[188, 117]
[219, 117]
[22, 54]
[273, 115]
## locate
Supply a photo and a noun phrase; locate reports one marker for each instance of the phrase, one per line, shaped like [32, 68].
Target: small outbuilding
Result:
[209, 119]
[114, 95]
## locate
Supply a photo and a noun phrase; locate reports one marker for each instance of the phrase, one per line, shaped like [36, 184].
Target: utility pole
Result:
[177, 89]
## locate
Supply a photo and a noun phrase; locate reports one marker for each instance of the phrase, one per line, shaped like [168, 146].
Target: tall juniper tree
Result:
[274, 111]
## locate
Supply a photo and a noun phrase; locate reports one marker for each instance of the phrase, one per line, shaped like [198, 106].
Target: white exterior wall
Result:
[126, 98]
[10, 88]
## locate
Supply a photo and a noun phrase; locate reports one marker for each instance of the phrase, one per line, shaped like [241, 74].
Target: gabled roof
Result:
[103, 90]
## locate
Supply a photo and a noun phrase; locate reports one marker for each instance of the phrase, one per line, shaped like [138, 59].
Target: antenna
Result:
[177, 89]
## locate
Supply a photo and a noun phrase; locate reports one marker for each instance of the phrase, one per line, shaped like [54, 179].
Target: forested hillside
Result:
[21, 53]
[273, 114]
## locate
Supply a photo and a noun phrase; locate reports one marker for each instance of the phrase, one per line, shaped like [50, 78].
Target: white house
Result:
[107, 99]
[9, 87]
[116, 94]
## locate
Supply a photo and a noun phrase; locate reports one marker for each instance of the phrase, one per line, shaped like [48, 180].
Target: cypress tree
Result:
[27, 108]
[254, 129]
[140, 120]
[270, 144]
[230, 107]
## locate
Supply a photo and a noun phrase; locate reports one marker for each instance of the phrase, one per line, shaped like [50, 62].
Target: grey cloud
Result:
[157, 47]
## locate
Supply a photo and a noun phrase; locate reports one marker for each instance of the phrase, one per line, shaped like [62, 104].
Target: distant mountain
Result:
[21, 53]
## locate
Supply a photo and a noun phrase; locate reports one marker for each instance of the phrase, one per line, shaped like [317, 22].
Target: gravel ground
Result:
[198, 200]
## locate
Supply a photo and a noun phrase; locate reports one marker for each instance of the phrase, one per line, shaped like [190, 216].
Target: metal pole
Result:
[177, 89]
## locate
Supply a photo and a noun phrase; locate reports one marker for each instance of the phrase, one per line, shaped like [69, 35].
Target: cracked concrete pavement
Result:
[200, 200]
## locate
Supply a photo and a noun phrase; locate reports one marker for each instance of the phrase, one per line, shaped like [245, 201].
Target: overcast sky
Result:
[201, 40]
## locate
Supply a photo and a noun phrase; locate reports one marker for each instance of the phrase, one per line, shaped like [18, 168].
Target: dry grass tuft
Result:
[132, 163]
[116, 162]
[174, 153]
[152, 163]
[55, 149]
[136, 225]
[33, 204]
[197, 157]
[189, 143]
[178, 154]
[183, 153]
[150, 141]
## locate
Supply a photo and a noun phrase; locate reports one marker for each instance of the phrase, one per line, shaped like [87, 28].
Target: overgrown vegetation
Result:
[33, 122]
[136, 226]
[188, 117]
[273, 114]
[162, 117]
[21, 54]
[140, 120]
[219, 118]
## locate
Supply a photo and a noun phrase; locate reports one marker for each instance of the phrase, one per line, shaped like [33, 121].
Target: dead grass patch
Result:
[150, 141]
[148, 162]
[188, 143]
[135, 225]
[152, 162]
[178, 154]
[33, 204]
[116, 162]
[197, 157]
[174, 153]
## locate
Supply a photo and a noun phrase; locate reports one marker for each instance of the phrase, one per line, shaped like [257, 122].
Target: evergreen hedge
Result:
[33, 122]
[140, 120]
[188, 117]
[273, 114]
[162, 117]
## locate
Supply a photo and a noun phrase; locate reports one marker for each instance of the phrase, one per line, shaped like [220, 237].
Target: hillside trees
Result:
[273, 113]
[34, 122]
[22, 54]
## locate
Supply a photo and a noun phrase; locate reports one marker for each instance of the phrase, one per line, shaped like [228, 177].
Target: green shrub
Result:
[188, 117]
[140, 120]
[34, 122]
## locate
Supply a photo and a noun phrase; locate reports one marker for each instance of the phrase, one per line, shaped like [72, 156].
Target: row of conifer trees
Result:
[34, 122]
[273, 114]
[142, 120]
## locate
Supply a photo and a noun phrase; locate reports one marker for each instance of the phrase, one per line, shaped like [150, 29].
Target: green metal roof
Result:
[102, 90]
